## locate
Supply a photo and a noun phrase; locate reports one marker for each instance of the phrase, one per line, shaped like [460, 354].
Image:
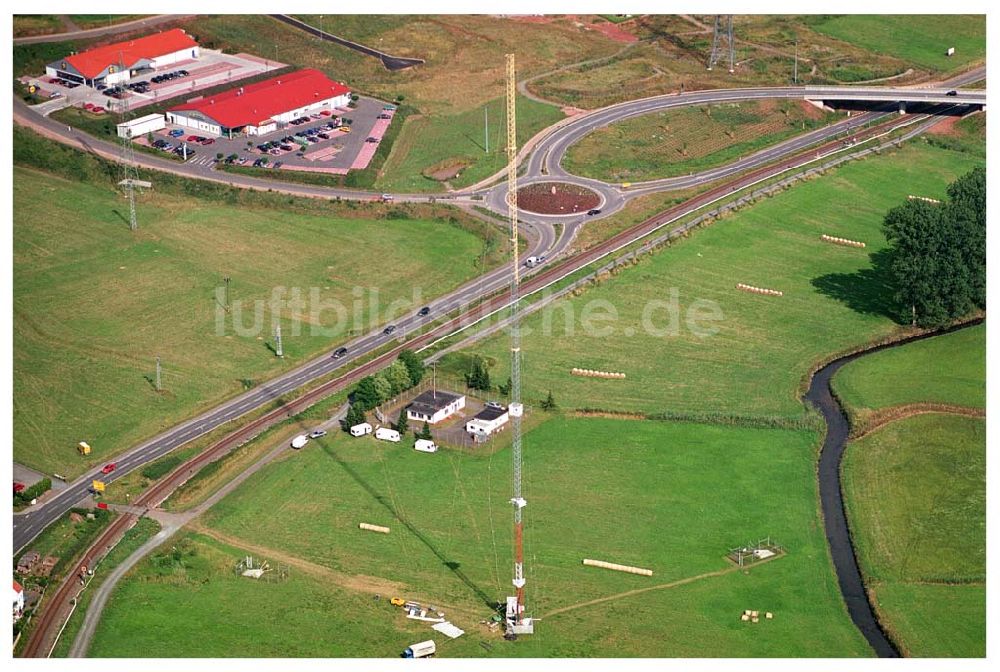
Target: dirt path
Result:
[640, 591]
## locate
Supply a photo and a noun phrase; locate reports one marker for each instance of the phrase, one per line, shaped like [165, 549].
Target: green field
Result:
[688, 140]
[95, 304]
[26, 25]
[456, 143]
[661, 506]
[144, 530]
[833, 300]
[918, 39]
[948, 369]
[915, 493]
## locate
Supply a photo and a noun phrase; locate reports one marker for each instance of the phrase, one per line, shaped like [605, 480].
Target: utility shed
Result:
[433, 406]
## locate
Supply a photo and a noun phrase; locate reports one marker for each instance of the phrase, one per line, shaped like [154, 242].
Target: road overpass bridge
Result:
[901, 96]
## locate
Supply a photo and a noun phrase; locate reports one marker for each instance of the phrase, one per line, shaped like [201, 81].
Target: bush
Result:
[161, 467]
[37, 490]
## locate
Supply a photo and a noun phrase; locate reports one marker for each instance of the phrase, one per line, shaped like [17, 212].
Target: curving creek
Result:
[838, 534]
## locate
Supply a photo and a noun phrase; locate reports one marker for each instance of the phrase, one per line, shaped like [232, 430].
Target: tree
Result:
[937, 253]
[402, 423]
[383, 388]
[479, 377]
[366, 394]
[399, 377]
[414, 365]
[425, 433]
[550, 403]
[505, 388]
[967, 210]
[354, 416]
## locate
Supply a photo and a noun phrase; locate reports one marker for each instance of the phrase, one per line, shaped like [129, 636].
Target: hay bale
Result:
[768, 615]
[744, 618]
[755, 620]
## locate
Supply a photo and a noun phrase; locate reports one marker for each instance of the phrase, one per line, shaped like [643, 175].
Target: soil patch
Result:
[556, 198]
[446, 170]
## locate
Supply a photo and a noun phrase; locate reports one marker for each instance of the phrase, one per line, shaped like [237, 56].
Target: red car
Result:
[207, 141]
[192, 138]
[108, 468]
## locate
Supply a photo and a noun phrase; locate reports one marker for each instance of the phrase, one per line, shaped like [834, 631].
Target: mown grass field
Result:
[919, 39]
[95, 304]
[687, 140]
[915, 492]
[833, 299]
[948, 369]
[450, 545]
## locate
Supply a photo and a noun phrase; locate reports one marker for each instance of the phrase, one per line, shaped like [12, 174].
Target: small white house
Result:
[487, 421]
[139, 127]
[433, 406]
[361, 429]
[18, 600]
[425, 446]
[386, 434]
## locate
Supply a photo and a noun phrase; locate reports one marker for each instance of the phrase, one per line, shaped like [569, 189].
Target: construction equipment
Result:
[83, 448]
[397, 601]
[516, 622]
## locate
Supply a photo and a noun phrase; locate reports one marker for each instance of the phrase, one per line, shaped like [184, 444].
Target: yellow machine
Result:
[83, 447]
[397, 601]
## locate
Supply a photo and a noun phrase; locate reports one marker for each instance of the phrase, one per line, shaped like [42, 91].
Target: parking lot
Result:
[311, 144]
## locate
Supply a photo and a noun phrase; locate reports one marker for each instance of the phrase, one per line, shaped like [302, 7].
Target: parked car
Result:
[207, 141]
[176, 133]
[277, 164]
[315, 434]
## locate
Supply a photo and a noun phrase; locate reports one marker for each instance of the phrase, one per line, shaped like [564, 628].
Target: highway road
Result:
[543, 163]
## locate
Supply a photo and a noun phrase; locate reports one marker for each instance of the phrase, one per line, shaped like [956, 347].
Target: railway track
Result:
[42, 638]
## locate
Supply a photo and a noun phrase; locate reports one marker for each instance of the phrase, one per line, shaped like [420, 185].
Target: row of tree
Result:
[406, 372]
[937, 253]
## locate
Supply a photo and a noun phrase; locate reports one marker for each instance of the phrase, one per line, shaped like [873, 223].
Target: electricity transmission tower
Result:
[129, 172]
[516, 622]
[718, 37]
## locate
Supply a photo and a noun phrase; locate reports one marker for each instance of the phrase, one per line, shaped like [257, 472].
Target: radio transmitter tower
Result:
[516, 622]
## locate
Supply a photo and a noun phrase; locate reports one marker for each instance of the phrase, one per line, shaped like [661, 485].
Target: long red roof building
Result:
[255, 104]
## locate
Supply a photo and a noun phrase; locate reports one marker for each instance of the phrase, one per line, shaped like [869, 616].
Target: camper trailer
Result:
[425, 446]
[386, 434]
[361, 429]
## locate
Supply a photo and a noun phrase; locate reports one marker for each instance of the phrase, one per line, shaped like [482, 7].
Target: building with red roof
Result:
[118, 62]
[18, 600]
[256, 109]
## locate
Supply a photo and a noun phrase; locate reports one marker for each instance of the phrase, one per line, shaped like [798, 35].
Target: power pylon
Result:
[718, 36]
[516, 622]
[129, 172]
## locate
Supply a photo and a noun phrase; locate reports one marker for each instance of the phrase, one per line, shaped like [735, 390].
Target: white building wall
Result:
[478, 425]
[176, 57]
[312, 108]
[180, 119]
